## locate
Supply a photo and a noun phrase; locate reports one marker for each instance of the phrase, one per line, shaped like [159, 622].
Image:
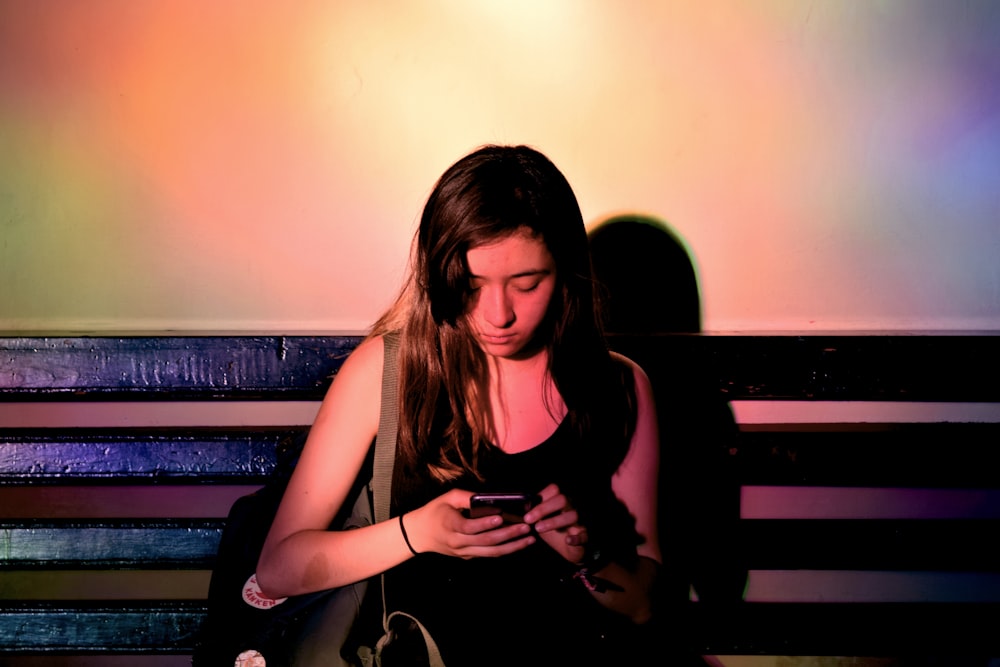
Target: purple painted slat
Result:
[154, 455]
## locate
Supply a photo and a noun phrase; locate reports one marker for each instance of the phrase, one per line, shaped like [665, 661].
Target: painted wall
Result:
[256, 165]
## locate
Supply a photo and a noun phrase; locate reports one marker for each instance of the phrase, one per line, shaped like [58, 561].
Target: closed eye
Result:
[526, 287]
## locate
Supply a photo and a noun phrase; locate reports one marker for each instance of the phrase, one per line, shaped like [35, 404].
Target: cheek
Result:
[539, 305]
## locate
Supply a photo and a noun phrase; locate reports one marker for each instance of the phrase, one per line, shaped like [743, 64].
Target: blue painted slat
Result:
[48, 628]
[188, 544]
[173, 367]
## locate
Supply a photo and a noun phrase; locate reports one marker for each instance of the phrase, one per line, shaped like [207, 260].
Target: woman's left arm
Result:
[636, 485]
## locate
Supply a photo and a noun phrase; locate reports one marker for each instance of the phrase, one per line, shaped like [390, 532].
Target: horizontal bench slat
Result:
[172, 367]
[130, 455]
[99, 545]
[825, 587]
[835, 544]
[103, 585]
[63, 414]
[831, 367]
[961, 545]
[105, 660]
[829, 503]
[929, 455]
[957, 545]
[78, 628]
[902, 455]
[208, 501]
[945, 630]
[777, 366]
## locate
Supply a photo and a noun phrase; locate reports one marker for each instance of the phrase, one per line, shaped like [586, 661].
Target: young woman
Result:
[506, 384]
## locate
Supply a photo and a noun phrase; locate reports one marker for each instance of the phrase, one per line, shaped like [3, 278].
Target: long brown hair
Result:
[445, 417]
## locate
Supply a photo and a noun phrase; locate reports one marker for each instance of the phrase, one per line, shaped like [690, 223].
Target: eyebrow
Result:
[520, 274]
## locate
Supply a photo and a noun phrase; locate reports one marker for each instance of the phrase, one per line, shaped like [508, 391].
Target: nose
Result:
[496, 307]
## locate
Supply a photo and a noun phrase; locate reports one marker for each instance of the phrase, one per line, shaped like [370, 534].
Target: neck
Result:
[524, 402]
[525, 363]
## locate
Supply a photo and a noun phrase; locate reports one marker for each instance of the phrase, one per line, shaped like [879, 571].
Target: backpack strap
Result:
[388, 427]
[385, 453]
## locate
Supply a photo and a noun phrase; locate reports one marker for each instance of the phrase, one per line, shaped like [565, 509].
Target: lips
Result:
[496, 340]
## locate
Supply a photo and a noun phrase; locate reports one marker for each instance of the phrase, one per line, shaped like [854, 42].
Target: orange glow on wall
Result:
[256, 166]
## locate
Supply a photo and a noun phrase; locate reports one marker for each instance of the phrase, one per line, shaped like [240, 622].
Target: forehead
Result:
[521, 252]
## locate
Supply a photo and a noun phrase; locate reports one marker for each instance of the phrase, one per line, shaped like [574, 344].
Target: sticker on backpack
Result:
[255, 598]
[250, 659]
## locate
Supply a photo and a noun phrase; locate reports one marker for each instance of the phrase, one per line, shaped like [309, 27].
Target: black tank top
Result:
[526, 608]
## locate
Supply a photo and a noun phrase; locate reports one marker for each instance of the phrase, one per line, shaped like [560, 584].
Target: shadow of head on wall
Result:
[646, 279]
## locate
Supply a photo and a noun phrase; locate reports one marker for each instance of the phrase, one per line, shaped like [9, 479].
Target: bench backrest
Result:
[119, 459]
[858, 495]
[846, 479]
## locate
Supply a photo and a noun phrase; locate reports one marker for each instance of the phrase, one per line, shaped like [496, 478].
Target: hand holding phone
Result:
[512, 506]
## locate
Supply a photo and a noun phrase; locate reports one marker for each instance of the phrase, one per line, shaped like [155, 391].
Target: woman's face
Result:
[512, 282]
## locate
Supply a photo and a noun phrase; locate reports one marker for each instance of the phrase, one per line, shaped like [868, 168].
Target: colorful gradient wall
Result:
[257, 165]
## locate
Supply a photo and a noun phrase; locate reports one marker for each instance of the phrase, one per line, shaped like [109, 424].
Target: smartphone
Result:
[512, 506]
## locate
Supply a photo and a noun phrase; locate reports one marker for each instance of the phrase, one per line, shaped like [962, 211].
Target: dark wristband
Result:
[406, 538]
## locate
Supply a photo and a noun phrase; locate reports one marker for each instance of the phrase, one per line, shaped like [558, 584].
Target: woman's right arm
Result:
[300, 555]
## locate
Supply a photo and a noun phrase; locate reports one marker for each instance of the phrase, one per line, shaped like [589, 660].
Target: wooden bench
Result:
[856, 487]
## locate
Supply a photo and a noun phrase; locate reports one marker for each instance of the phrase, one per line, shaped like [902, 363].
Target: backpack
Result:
[240, 618]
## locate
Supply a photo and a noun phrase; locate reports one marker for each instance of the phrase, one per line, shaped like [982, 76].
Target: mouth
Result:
[496, 340]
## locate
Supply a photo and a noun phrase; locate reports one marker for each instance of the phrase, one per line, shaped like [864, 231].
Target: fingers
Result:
[492, 530]
[553, 520]
[564, 520]
[490, 537]
[448, 530]
[554, 512]
[557, 522]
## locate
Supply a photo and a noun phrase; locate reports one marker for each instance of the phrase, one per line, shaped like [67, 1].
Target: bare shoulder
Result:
[366, 358]
[642, 382]
[355, 391]
[362, 369]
